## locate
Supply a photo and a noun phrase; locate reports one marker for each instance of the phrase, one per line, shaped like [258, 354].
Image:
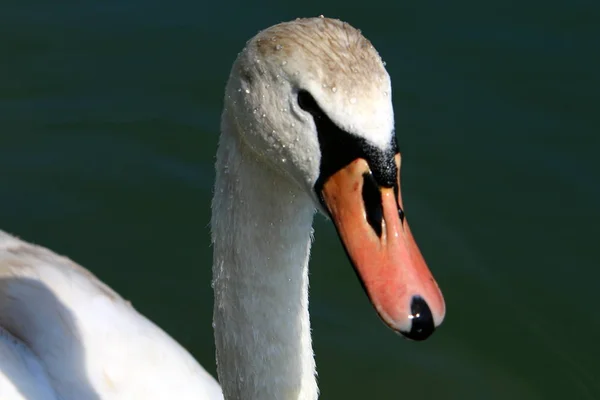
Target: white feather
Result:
[65, 329]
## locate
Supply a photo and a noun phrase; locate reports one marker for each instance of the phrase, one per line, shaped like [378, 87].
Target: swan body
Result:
[66, 335]
[307, 125]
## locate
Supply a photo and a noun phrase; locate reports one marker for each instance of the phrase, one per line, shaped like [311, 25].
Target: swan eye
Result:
[309, 104]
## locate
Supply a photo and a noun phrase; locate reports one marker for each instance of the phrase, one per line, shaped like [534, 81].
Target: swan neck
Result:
[262, 227]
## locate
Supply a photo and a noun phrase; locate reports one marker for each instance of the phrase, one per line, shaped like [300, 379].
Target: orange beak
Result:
[371, 224]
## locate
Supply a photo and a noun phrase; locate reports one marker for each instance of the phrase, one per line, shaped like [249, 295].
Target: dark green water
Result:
[109, 116]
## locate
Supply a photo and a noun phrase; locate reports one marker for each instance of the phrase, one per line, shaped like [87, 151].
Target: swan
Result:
[307, 126]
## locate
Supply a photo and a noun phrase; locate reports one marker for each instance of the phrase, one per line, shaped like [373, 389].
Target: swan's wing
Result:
[22, 377]
[93, 343]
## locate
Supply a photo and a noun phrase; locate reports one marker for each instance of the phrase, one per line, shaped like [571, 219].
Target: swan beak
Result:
[370, 222]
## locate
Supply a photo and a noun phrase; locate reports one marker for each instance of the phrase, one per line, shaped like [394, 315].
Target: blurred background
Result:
[109, 118]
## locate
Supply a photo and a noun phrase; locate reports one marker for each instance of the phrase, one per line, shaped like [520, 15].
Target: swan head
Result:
[312, 99]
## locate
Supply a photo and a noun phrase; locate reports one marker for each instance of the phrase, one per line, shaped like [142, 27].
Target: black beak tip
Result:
[422, 320]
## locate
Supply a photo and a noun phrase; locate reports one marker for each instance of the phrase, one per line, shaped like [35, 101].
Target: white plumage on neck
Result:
[261, 237]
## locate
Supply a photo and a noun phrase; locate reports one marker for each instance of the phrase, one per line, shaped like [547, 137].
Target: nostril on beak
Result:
[372, 197]
[422, 320]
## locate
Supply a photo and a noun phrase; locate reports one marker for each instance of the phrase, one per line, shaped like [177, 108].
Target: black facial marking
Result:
[339, 148]
[372, 198]
[422, 320]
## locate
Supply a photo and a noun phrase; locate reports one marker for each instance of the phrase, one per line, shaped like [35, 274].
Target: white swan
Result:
[307, 124]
